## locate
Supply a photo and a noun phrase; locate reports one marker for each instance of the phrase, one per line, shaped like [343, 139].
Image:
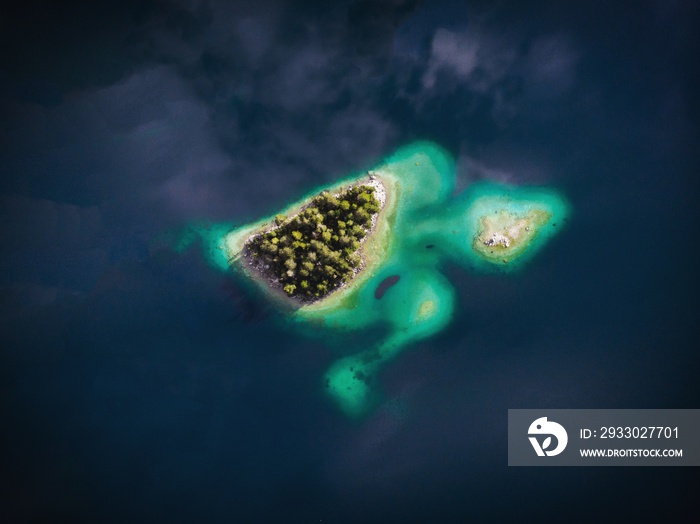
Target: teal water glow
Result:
[489, 227]
[211, 237]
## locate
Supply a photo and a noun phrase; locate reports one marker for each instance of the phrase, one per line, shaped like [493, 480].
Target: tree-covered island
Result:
[312, 253]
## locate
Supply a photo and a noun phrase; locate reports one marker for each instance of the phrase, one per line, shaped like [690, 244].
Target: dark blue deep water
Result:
[138, 384]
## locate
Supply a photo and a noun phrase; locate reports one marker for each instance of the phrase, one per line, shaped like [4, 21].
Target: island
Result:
[363, 257]
[312, 253]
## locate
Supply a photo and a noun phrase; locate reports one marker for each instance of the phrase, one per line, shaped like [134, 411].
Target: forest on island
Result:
[317, 250]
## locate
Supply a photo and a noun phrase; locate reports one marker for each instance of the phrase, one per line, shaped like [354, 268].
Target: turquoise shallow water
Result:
[453, 227]
[428, 226]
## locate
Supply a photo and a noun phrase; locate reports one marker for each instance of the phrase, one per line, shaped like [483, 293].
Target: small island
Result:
[363, 258]
[503, 235]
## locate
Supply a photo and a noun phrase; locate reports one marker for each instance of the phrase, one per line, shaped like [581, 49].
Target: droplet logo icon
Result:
[542, 426]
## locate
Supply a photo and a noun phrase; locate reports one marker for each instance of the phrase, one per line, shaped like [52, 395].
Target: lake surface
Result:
[140, 384]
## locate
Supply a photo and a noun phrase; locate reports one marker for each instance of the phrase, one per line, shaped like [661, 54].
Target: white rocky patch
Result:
[497, 239]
